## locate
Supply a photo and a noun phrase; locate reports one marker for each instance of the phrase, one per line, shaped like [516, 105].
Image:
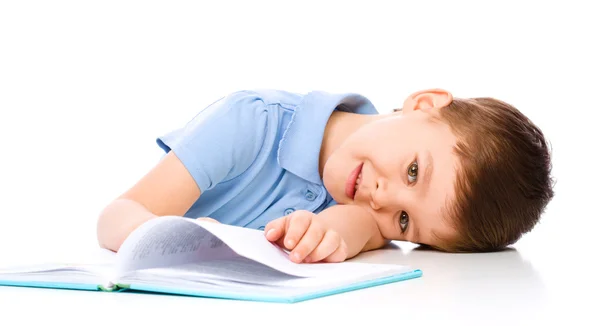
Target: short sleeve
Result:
[222, 141]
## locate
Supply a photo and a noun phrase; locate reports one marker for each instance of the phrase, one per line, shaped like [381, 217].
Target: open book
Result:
[177, 255]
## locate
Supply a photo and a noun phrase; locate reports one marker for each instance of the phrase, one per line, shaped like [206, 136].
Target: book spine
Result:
[113, 287]
[108, 287]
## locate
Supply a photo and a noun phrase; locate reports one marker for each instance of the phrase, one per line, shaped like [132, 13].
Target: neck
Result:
[339, 127]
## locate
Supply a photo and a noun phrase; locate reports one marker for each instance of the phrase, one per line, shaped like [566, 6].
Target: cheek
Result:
[373, 140]
[386, 224]
[354, 148]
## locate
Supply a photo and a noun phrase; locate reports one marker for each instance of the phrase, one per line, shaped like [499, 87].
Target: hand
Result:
[308, 239]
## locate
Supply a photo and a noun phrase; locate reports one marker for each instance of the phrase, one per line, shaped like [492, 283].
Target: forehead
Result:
[440, 142]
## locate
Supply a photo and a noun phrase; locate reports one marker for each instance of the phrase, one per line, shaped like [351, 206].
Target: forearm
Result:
[355, 225]
[118, 220]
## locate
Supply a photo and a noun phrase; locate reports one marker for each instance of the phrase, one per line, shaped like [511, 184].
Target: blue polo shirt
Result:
[254, 154]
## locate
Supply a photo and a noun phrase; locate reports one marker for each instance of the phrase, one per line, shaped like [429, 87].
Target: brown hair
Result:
[503, 183]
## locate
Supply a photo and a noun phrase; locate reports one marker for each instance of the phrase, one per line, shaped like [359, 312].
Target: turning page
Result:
[168, 241]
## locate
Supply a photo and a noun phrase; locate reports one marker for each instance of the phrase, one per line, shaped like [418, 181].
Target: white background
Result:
[85, 88]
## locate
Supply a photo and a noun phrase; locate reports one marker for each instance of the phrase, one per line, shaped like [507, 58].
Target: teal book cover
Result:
[231, 292]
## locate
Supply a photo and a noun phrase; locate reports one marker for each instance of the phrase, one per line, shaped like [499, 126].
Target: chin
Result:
[330, 186]
[334, 179]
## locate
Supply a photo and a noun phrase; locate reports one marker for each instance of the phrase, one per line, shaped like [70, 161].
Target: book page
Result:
[84, 266]
[172, 240]
[237, 269]
[168, 241]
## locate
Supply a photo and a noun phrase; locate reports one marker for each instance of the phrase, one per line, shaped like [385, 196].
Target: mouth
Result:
[353, 181]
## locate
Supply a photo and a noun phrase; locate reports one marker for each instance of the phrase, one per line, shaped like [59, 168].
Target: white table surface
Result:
[493, 288]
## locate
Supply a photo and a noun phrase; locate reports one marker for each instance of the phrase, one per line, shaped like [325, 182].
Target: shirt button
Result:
[310, 195]
[288, 211]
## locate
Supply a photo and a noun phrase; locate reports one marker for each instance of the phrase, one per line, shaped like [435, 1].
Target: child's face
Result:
[396, 152]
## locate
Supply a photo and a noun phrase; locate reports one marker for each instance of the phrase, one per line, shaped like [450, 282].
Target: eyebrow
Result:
[428, 171]
[426, 186]
[416, 236]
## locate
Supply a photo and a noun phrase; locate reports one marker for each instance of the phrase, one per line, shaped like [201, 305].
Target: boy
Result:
[327, 177]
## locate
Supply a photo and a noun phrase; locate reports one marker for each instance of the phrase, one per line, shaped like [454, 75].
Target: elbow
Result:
[106, 235]
[110, 226]
[118, 220]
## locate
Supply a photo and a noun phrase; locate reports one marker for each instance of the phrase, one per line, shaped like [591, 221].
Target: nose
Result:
[382, 196]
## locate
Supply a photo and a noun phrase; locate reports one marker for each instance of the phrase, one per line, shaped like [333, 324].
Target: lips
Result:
[351, 182]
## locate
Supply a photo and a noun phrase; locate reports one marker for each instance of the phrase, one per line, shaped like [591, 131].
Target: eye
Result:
[413, 172]
[403, 221]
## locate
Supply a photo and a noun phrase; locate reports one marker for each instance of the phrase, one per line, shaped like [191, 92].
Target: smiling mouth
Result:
[353, 181]
[357, 184]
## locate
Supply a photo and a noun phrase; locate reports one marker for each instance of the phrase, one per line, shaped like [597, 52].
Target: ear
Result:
[435, 98]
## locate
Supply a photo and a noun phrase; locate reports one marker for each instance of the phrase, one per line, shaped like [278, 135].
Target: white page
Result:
[290, 287]
[238, 269]
[87, 274]
[168, 241]
[254, 245]
[81, 265]
[97, 262]
[245, 272]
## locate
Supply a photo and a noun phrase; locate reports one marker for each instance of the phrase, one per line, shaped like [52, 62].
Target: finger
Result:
[331, 241]
[298, 223]
[275, 229]
[207, 219]
[311, 240]
[339, 255]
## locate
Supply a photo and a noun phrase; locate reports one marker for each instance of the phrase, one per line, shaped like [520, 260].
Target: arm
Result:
[167, 189]
[355, 226]
[336, 234]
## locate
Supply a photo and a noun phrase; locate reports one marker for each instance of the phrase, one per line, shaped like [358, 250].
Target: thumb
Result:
[275, 230]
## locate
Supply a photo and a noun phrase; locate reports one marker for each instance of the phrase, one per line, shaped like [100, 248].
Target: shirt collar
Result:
[300, 146]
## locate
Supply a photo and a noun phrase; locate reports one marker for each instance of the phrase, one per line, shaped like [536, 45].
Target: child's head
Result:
[460, 175]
